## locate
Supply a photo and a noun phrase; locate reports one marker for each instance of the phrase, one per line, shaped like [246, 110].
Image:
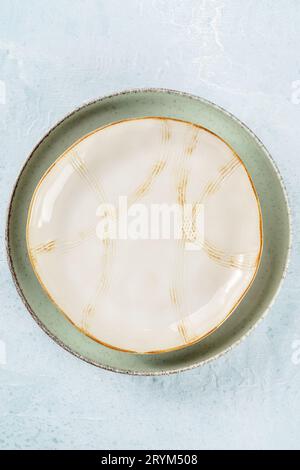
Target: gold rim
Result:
[201, 337]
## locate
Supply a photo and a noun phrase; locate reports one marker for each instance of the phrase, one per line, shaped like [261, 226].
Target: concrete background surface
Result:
[245, 57]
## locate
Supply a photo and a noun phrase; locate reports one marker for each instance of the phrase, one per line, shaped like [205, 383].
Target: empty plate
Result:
[146, 234]
[139, 290]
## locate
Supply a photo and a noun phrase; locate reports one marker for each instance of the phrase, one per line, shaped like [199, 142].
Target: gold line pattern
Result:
[194, 141]
[63, 245]
[183, 332]
[44, 247]
[230, 260]
[147, 184]
[224, 173]
[166, 131]
[177, 288]
[182, 186]
[223, 258]
[102, 286]
[137, 194]
[109, 245]
[157, 169]
[176, 292]
[80, 167]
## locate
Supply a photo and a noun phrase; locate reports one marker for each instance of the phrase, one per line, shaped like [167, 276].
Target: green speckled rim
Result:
[275, 213]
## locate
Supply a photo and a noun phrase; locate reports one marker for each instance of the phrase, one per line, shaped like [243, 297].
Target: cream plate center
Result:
[146, 234]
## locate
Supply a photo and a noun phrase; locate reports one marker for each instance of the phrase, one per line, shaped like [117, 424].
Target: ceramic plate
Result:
[101, 235]
[179, 159]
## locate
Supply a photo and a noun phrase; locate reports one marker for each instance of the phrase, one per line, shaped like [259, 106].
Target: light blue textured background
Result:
[243, 55]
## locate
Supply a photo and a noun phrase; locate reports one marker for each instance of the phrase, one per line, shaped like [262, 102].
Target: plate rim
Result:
[12, 198]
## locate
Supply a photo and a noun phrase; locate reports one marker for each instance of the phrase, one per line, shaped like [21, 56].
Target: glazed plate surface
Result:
[169, 168]
[142, 287]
